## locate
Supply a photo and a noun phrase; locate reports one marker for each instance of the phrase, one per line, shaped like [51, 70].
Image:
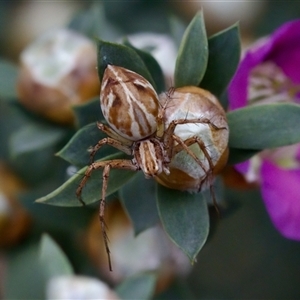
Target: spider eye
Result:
[129, 103]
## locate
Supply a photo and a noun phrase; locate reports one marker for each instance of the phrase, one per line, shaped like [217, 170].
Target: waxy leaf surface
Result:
[65, 195]
[264, 126]
[185, 219]
[122, 56]
[224, 55]
[192, 56]
[138, 196]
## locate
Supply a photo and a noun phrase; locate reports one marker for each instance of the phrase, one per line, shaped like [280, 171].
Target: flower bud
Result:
[58, 71]
[211, 129]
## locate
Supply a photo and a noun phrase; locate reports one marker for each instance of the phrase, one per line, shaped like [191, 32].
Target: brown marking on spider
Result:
[155, 147]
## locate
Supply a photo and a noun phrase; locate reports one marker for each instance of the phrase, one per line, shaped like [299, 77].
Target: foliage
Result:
[42, 152]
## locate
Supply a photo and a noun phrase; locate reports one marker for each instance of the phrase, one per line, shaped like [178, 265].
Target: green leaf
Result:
[53, 259]
[192, 56]
[239, 155]
[141, 286]
[152, 65]
[138, 196]
[65, 195]
[264, 126]
[76, 150]
[185, 218]
[224, 55]
[88, 112]
[93, 23]
[8, 79]
[123, 56]
[35, 137]
[23, 273]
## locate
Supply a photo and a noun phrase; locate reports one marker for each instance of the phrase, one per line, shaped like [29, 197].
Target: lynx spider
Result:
[151, 154]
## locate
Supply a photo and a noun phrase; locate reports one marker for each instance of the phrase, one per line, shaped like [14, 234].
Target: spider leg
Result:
[113, 140]
[105, 176]
[110, 132]
[106, 165]
[184, 145]
[171, 149]
[160, 119]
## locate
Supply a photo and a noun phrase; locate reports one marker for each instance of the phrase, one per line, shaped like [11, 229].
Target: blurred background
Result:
[244, 258]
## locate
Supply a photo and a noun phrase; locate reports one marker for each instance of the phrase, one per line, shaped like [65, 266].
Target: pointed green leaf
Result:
[123, 56]
[141, 286]
[8, 79]
[192, 56]
[139, 199]
[88, 112]
[35, 137]
[152, 65]
[23, 273]
[65, 195]
[76, 150]
[224, 55]
[53, 259]
[264, 126]
[185, 218]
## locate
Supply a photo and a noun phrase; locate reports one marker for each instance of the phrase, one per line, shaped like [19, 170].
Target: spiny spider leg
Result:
[169, 138]
[110, 132]
[113, 140]
[184, 145]
[105, 178]
[106, 165]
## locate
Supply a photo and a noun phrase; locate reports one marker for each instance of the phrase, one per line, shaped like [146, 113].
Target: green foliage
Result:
[185, 219]
[123, 56]
[140, 286]
[177, 210]
[8, 79]
[264, 126]
[29, 144]
[192, 54]
[152, 65]
[52, 259]
[224, 56]
[139, 199]
[65, 195]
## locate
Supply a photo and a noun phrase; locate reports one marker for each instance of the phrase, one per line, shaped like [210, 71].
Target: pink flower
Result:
[270, 72]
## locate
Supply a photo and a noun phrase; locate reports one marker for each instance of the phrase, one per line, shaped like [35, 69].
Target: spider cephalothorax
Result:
[147, 127]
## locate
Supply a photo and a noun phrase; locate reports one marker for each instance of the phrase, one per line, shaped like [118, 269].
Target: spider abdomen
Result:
[129, 103]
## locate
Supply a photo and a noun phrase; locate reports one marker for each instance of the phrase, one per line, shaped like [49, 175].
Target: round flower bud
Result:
[206, 137]
[58, 71]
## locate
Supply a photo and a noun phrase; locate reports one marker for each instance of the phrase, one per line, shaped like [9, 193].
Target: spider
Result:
[137, 120]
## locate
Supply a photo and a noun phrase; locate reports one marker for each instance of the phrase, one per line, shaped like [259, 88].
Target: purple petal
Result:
[285, 50]
[282, 47]
[281, 194]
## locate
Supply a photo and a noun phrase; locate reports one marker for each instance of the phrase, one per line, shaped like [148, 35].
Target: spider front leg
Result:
[113, 140]
[106, 165]
[168, 135]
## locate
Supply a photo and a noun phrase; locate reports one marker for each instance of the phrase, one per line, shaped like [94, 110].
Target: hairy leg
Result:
[106, 166]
